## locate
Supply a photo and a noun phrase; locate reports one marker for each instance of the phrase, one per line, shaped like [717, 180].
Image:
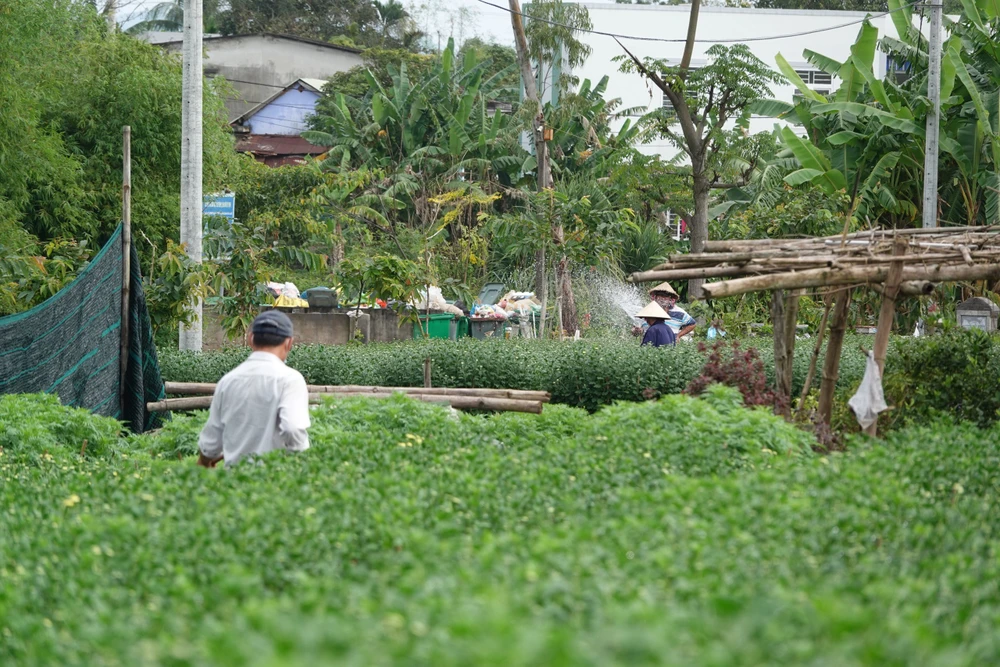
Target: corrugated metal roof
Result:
[272, 35]
[277, 145]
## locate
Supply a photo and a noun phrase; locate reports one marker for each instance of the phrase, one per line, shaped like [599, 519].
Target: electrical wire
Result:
[253, 83]
[701, 41]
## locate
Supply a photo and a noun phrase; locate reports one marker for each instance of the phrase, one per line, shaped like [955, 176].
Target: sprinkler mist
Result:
[613, 302]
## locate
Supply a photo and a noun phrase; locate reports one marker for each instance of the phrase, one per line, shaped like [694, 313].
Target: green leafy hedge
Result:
[957, 373]
[586, 374]
[678, 531]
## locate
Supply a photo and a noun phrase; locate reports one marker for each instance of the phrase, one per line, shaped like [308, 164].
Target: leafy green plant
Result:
[412, 533]
[953, 373]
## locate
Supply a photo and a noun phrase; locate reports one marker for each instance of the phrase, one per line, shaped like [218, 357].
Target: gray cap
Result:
[272, 322]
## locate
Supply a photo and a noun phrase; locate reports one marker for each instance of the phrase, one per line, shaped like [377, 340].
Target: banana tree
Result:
[427, 135]
[866, 139]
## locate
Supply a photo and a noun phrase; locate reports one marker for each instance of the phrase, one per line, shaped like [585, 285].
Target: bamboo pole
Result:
[887, 314]
[773, 265]
[208, 388]
[807, 385]
[126, 260]
[911, 288]
[849, 276]
[458, 402]
[686, 273]
[831, 363]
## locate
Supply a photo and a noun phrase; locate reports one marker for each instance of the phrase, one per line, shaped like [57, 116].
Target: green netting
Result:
[70, 345]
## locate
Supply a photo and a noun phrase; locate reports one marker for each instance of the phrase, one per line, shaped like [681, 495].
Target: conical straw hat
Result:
[664, 287]
[653, 310]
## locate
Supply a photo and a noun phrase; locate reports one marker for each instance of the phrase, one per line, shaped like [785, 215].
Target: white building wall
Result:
[715, 23]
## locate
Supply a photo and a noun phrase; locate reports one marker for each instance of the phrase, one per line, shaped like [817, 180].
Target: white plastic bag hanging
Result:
[869, 399]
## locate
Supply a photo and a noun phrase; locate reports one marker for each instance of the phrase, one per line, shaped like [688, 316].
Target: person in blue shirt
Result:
[678, 318]
[659, 332]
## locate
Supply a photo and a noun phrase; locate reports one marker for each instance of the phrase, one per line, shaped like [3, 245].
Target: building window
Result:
[675, 225]
[814, 77]
[899, 70]
[668, 108]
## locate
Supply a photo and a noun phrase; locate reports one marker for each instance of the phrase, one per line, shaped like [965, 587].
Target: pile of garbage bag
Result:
[512, 305]
[433, 299]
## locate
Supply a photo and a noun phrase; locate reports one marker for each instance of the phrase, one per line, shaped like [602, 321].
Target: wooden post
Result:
[427, 372]
[126, 258]
[807, 385]
[780, 340]
[887, 313]
[831, 363]
[559, 319]
[784, 314]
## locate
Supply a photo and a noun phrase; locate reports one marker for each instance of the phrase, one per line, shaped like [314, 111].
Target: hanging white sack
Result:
[869, 399]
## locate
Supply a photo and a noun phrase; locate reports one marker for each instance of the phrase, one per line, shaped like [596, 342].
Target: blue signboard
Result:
[222, 205]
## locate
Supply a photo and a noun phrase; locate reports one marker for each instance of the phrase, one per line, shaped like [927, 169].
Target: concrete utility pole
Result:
[191, 157]
[933, 118]
[110, 11]
[544, 171]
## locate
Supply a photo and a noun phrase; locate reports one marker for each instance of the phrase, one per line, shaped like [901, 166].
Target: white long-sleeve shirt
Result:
[259, 406]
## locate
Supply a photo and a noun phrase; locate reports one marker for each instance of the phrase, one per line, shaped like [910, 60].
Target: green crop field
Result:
[682, 532]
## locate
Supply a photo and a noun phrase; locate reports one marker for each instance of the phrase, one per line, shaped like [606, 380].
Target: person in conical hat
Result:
[678, 318]
[658, 333]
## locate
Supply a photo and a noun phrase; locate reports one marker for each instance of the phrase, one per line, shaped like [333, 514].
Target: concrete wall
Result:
[268, 62]
[376, 326]
[310, 329]
[383, 326]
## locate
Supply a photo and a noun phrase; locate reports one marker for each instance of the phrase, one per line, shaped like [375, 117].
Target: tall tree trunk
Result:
[541, 288]
[338, 246]
[544, 173]
[698, 225]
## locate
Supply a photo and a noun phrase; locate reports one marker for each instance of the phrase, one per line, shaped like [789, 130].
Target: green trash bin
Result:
[487, 328]
[459, 328]
[437, 325]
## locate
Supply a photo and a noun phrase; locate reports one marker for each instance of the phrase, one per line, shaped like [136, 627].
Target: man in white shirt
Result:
[262, 404]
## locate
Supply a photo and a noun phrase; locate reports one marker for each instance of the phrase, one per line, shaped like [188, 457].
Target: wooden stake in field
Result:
[887, 313]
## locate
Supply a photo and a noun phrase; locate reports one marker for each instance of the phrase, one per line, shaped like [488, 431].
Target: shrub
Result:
[743, 370]
[586, 374]
[954, 373]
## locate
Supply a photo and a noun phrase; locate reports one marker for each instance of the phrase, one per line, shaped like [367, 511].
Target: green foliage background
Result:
[67, 87]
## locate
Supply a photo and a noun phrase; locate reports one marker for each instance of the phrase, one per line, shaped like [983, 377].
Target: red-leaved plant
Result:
[742, 369]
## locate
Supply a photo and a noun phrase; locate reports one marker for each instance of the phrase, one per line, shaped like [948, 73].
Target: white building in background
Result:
[719, 23]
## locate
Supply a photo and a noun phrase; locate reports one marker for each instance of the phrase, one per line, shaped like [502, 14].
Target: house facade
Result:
[271, 130]
[259, 66]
